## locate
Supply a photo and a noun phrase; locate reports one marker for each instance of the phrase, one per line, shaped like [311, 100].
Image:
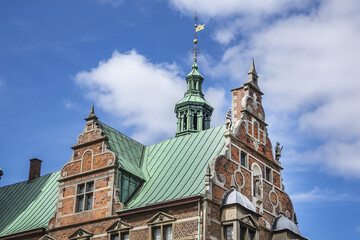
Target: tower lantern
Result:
[193, 112]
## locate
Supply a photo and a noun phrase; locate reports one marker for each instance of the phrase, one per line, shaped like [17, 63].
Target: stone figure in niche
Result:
[257, 186]
[278, 150]
[228, 119]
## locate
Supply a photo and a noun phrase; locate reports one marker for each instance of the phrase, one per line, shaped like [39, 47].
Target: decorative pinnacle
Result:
[252, 68]
[208, 171]
[92, 114]
[92, 109]
[232, 185]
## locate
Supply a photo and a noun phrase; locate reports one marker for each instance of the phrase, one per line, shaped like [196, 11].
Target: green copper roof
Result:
[177, 166]
[192, 98]
[194, 71]
[171, 169]
[28, 205]
[127, 150]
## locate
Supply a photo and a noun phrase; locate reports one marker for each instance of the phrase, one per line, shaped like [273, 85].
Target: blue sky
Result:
[130, 58]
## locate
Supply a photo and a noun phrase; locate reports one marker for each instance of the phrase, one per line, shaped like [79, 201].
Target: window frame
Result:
[249, 231]
[84, 192]
[243, 153]
[270, 176]
[162, 232]
[224, 231]
[120, 234]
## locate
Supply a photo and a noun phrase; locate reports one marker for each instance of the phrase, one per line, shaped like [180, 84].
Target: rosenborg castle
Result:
[221, 183]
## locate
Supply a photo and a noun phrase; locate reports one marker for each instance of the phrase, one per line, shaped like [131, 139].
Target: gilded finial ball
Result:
[195, 25]
[195, 41]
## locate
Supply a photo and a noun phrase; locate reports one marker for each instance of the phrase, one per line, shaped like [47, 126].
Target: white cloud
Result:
[214, 8]
[307, 64]
[114, 3]
[69, 104]
[216, 98]
[140, 93]
[323, 195]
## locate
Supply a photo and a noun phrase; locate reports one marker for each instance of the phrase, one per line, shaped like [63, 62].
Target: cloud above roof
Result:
[307, 57]
[227, 8]
[141, 94]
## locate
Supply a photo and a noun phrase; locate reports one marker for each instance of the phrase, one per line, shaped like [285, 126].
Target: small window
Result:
[246, 233]
[228, 232]
[267, 174]
[114, 236]
[168, 232]
[243, 159]
[156, 233]
[84, 197]
[251, 235]
[195, 122]
[120, 236]
[163, 232]
[185, 122]
[242, 233]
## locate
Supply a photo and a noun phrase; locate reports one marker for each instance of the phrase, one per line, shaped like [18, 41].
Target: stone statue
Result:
[257, 186]
[228, 119]
[278, 150]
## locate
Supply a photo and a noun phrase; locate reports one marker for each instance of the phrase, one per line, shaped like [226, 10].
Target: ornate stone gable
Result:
[119, 225]
[161, 217]
[47, 237]
[91, 151]
[81, 234]
[249, 221]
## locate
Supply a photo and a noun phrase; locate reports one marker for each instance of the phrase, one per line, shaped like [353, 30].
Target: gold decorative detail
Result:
[199, 27]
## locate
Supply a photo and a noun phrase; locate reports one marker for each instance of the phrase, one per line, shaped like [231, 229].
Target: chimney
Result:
[35, 168]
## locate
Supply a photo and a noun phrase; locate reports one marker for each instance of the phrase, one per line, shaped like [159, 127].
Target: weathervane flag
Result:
[199, 27]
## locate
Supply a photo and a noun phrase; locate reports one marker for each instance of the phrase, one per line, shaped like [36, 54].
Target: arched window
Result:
[185, 122]
[195, 127]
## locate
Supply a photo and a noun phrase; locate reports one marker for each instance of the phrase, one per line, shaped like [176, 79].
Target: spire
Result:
[252, 75]
[252, 67]
[197, 28]
[92, 109]
[92, 114]
[195, 39]
[193, 112]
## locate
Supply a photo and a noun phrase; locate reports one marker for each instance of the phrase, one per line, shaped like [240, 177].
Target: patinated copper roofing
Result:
[171, 169]
[28, 205]
[176, 167]
[128, 151]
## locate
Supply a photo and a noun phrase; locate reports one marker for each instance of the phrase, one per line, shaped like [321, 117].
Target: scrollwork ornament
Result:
[110, 161]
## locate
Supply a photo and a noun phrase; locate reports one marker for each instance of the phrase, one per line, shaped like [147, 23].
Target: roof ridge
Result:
[185, 135]
[28, 180]
[120, 132]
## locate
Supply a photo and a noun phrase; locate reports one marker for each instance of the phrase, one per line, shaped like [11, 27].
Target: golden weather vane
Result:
[197, 28]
